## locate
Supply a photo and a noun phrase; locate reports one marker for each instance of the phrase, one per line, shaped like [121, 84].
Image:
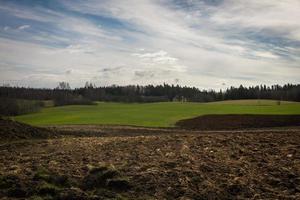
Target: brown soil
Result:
[233, 122]
[12, 130]
[177, 164]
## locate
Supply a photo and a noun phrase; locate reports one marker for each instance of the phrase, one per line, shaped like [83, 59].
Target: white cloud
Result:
[203, 46]
[161, 59]
[265, 54]
[23, 27]
[279, 16]
[151, 55]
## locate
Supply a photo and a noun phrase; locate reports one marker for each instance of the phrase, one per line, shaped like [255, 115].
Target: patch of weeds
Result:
[73, 193]
[11, 186]
[120, 197]
[105, 182]
[104, 194]
[42, 174]
[93, 170]
[50, 185]
[16, 191]
[53, 178]
[8, 181]
[45, 188]
[98, 177]
[36, 198]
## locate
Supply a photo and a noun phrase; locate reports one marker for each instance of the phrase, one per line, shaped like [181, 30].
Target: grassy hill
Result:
[152, 114]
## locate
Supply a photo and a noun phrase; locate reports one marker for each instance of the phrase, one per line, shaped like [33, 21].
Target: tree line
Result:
[21, 100]
[63, 94]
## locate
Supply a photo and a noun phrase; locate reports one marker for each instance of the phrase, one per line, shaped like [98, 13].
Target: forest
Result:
[63, 94]
[21, 100]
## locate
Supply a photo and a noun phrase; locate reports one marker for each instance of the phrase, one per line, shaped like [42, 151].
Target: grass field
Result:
[151, 114]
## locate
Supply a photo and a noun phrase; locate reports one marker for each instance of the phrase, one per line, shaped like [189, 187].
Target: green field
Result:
[151, 114]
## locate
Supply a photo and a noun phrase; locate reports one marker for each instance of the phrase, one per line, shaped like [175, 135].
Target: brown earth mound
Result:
[231, 122]
[10, 130]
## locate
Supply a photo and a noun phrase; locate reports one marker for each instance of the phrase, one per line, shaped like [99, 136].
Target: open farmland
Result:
[144, 163]
[78, 157]
[94, 153]
[152, 114]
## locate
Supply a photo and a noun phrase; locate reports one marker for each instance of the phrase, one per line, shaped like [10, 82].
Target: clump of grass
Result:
[105, 177]
[50, 185]
[108, 194]
[73, 193]
[53, 178]
[105, 193]
[35, 197]
[103, 182]
[10, 185]
[98, 177]
[17, 192]
[42, 174]
[45, 188]
[8, 181]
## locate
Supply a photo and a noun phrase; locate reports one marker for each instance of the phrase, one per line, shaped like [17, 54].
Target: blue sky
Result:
[202, 43]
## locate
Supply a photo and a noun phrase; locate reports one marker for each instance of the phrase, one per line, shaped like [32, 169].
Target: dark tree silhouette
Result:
[63, 95]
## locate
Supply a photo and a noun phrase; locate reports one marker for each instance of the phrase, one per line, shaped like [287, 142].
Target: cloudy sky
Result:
[202, 43]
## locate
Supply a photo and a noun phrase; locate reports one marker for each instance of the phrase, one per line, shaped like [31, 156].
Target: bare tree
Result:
[63, 86]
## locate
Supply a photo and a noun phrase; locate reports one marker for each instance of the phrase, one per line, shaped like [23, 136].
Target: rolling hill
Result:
[164, 114]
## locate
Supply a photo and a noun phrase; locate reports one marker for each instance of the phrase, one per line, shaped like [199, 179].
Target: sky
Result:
[210, 44]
